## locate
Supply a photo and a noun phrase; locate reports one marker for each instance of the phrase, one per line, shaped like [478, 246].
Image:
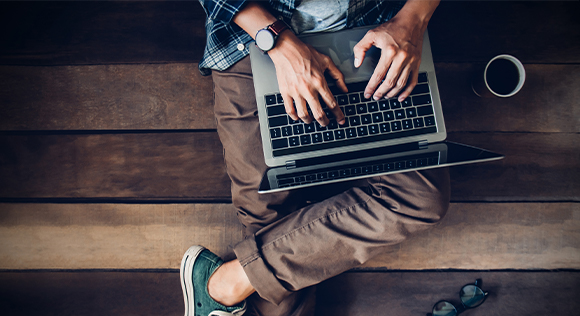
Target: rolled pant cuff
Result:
[260, 276]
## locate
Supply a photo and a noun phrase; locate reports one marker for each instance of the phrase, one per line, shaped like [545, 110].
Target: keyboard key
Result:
[425, 110]
[411, 112]
[305, 139]
[353, 98]
[362, 97]
[298, 129]
[395, 104]
[361, 108]
[279, 143]
[340, 134]
[420, 89]
[346, 124]
[355, 171]
[287, 131]
[354, 120]
[344, 172]
[309, 128]
[276, 110]
[342, 99]
[422, 77]
[429, 121]
[333, 174]
[285, 181]
[373, 106]
[407, 124]
[389, 166]
[278, 121]
[400, 114]
[384, 105]
[319, 127]
[422, 162]
[407, 102]
[351, 132]
[385, 127]
[275, 133]
[349, 110]
[311, 177]
[270, 99]
[333, 124]
[377, 117]
[317, 138]
[294, 141]
[377, 168]
[366, 119]
[400, 165]
[367, 169]
[396, 126]
[421, 99]
[389, 115]
[328, 136]
[418, 122]
[362, 131]
[279, 98]
[322, 176]
[411, 163]
[291, 121]
[373, 129]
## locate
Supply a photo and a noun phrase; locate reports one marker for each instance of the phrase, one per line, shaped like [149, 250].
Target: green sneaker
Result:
[197, 265]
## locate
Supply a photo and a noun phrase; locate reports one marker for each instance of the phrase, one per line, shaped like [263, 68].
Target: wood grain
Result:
[475, 236]
[101, 32]
[105, 97]
[166, 166]
[66, 33]
[176, 96]
[351, 294]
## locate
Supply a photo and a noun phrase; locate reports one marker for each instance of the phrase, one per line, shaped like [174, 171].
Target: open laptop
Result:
[379, 137]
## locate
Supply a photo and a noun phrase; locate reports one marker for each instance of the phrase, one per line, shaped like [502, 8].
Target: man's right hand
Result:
[300, 71]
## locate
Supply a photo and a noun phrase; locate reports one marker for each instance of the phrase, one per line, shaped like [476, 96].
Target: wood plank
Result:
[143, 165]
[52, 33]
[176, 96]
[414, 293]
[101, 32]
[106, 97]
[166, 166]
[352, 294]
[143, 236]
[533, 31]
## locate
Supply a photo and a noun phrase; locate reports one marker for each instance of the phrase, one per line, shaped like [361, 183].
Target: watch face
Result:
[265, 40]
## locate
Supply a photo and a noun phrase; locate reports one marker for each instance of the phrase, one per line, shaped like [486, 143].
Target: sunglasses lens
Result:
[471, 295]
[444, 309]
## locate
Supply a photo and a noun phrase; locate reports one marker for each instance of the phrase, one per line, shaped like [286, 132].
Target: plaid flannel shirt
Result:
[227, 43]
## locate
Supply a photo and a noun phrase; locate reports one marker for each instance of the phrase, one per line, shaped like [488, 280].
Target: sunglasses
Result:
[471, 296]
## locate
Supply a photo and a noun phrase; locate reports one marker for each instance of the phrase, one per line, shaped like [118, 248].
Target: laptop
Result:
[379, 137]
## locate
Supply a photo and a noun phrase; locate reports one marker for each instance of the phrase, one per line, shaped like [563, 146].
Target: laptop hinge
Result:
[291, 164]
[423, 144]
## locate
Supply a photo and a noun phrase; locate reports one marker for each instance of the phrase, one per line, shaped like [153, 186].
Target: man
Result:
[298, 238]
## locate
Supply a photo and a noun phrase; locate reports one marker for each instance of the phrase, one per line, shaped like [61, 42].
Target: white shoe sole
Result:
[185, 272]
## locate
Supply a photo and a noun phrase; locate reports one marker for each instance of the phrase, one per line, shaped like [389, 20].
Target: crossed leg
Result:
[298, 238]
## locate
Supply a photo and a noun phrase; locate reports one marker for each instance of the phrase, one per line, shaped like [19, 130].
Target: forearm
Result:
[253, 17]
[420, 11]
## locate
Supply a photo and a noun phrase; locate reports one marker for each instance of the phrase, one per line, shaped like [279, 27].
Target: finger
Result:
[316, 109]
[362, 47]
[414, 79]
[392, 76]
[337, 75]
[330, 101]
[289, 106]
[400, 83]
[301, 108]
[385, 62]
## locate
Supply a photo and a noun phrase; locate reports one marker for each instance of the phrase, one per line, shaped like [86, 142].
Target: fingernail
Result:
[356, 62]
[376, 98]
[367, 95]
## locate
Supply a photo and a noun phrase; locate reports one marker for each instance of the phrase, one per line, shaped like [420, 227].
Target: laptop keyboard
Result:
[366, 120]
[345, 172]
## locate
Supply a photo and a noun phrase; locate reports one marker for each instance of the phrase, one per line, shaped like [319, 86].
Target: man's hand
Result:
[401, 44]
[300, 71]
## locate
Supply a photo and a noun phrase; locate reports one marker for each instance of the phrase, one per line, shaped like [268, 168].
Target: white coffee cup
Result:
[503, 76]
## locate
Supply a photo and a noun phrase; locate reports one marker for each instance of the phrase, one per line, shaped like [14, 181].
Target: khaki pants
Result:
[299, 238]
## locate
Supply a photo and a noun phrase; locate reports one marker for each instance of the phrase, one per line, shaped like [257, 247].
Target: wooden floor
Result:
[110, 165]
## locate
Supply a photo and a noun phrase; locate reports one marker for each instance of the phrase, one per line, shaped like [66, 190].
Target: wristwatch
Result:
[266, 37]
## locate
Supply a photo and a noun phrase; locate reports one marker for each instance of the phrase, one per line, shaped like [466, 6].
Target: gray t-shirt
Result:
[319, 16]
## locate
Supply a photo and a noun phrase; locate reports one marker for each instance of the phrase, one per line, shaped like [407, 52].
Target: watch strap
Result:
[278, 27]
